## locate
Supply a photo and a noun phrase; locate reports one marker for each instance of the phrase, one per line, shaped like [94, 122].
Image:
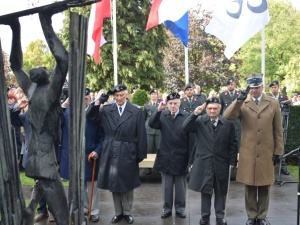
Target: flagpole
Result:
[186, 57]
[263, 56]
[115, 52]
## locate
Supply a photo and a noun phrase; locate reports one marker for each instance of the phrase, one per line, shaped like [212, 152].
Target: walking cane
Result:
[93, 180]
[228, 187]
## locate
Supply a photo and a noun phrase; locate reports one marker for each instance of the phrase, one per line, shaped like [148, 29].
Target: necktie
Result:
[213, 124]
[154, 104]
[231, 94]
[120, 109]
[256, 102]
[173, 116]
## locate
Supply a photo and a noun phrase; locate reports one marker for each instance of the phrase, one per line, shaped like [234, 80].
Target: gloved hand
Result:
[243, 95]
[275, 159]
[104, 98]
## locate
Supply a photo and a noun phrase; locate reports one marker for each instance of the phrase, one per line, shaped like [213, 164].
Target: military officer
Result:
[226, 98]
[153, 135]
[190, 102]
[274, 88]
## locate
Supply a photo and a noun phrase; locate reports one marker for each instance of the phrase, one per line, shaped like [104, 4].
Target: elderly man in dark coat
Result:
[172, 156]
[125, 145]
[216, 150]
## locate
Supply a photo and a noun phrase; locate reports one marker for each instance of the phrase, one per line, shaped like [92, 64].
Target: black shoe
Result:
[251, 221]
[116, 218]
[95, 218]
[148, 171]
[204, 220]
[221, 221]
[165, 215]
[284, 171]
[262, 222]
[129, 219]
[181, 215]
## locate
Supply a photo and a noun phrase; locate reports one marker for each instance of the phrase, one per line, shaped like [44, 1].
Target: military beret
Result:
[118, 88]
[153, 90]
[135, 87]
[174, 95]
[87, 91]
[11, 86]
[273, 83]
[229, 80]
[213, 100]
[255, 80]
[188, 85]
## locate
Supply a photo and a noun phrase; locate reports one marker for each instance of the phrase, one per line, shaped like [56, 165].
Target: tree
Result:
[139, 52]
[208, 65]
[9, 78]
[282, 47]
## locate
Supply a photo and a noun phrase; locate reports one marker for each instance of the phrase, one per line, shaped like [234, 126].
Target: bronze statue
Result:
[44, 115]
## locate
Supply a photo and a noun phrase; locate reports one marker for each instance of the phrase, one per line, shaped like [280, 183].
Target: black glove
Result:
[243, 94]
[104, 98]
[275, 159]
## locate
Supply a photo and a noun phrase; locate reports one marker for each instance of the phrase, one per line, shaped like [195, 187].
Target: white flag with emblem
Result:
[236, 21]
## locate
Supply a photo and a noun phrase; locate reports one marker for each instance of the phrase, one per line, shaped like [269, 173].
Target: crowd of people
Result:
[184, 130]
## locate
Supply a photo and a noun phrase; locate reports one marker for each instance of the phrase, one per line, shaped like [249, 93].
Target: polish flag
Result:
[99, 11]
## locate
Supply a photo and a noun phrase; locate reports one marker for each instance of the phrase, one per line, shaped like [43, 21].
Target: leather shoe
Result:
[262, 222]
[129, 219]
[116, 218]
[95, 218]
[41, 217]
[251, 221]
[181, 214]
[165, 215]
[284, 171]
[204, 220]
[221, 221]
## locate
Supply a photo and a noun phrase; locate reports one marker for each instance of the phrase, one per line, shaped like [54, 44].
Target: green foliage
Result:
[9, 78]
[208, 65]
[140, 97]
[294, 170]
[293, 134]
[282, 47]
[27, 181]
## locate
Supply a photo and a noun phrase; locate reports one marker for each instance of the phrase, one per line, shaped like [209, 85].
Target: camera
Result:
[285, 106]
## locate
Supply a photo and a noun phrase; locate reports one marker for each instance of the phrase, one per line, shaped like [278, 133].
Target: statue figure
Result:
[44, 113]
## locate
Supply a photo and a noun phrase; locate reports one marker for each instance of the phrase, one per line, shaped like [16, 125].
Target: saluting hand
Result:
[199, 109]
[161, 106]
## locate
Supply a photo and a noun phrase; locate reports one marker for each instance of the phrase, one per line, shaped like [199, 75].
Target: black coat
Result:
[215, 151]
[125, 145]
[172, 156]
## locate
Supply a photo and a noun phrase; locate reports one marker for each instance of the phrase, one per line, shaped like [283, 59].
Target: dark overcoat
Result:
[125, 145]
[215, 152]
[172, 156]
[94, 138]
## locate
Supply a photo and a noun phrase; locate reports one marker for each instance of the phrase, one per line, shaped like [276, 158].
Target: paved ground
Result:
[147, 205]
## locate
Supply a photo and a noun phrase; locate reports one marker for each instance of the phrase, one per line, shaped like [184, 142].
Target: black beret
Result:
[188, 85]
[135, 87]
[213, 100]
[118, 88]
[11, 86]
[273, 83]
[87, 91]
[153, 90]
[229, 80]
[255, 80]
[174, 95]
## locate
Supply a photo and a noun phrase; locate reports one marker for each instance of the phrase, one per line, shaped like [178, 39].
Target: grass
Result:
[294, 170]
[27, 181]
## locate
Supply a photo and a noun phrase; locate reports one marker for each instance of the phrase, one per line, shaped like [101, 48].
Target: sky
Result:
[30, 25]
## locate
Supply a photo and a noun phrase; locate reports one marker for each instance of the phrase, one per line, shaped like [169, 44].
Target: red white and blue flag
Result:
[174, 14]
[99, 12]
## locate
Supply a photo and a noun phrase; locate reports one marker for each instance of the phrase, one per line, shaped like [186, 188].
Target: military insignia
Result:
[184, 99]
[226, 93]
[237, 93]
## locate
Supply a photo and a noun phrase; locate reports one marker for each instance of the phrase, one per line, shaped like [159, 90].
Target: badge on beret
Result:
[172, 96]
[213, 100]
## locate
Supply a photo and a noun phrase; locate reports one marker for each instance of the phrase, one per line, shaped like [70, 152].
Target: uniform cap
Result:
[188, 85]
[118, 88]
[153, 90]
[255, 80]
[229, 80]
[174, 95]
[273, 83]
[213, 100]
[87, 91]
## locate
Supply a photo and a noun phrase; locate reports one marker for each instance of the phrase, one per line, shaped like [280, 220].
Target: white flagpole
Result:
[263, 70]
[115, 44]
[186, 57]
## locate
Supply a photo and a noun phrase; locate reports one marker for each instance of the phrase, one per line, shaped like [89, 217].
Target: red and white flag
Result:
[99, 12]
